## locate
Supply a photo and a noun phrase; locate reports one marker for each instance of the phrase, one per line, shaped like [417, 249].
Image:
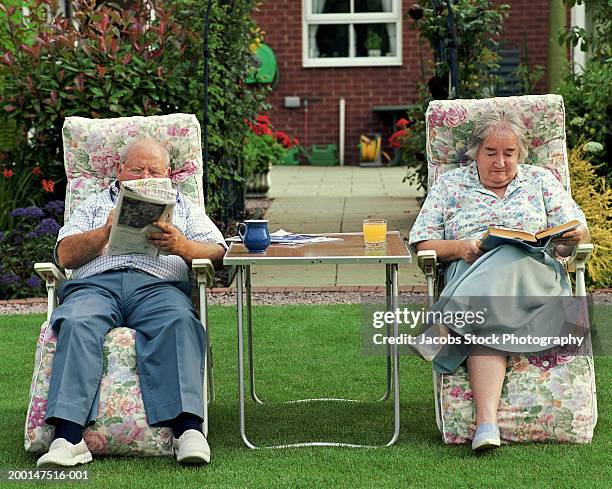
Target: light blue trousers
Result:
[170, 345]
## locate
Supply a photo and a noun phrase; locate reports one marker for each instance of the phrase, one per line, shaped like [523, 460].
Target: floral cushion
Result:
[92, 148]
[545, 398]
[121, 426]
[449, 123]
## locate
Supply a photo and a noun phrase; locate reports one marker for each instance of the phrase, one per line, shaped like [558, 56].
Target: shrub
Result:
[31, 240]
[20, 188]
[109, 64]
[478, 25]
[588, 94]
[232, 36]
[264, 146]
[594, 196]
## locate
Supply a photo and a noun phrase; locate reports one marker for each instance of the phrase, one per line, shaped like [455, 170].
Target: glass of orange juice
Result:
[375, 232]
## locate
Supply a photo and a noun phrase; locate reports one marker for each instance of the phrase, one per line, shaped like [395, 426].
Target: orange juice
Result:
[375, 232]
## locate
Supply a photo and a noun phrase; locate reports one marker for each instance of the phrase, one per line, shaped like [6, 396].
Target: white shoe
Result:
[191, 448]
[62, 453]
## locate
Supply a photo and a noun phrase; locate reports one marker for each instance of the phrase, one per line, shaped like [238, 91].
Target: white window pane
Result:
[375, 40]
[331, 6]
[328, 41]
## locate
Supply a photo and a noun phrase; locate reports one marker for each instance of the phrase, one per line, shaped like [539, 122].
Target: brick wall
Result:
[362, 88]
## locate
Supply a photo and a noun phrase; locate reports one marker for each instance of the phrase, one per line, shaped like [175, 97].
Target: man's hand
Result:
[469, 250]
[78, 249]
[109, 221]
[170, 240]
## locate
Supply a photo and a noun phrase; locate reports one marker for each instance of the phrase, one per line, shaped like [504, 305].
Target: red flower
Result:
[402, 123]
[263, 119]
[283, 138]
[8, 173]
[37, 171]
[48, 185]
[296, 141]
[395, 139]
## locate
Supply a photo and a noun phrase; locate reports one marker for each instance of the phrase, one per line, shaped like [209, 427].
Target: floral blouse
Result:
[458, 206]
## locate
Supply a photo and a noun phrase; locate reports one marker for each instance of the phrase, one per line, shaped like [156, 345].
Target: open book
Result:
[495, 236]
[140, 204]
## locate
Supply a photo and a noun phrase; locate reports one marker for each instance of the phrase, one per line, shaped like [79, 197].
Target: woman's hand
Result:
[575, 236]
[564, 246]
[469, 250]
[449, 250]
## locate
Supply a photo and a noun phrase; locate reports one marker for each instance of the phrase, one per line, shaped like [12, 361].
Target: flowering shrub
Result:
[264, 146]
[22, 186]
[31, 240]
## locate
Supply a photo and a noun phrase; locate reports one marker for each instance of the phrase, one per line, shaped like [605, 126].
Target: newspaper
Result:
[140, 204]
[287, 238]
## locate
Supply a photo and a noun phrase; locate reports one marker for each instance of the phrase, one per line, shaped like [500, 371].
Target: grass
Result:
[314, 351]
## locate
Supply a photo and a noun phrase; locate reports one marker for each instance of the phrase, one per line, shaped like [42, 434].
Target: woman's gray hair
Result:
[492, 120]
[150, 141]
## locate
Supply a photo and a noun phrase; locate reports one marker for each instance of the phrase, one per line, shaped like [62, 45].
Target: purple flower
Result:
[32, 212]
[1, 235]
[47, 226]
[33, 282]
[55, 207]
[9, 279]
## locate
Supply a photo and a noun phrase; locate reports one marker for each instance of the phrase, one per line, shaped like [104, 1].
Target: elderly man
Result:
[147, 294]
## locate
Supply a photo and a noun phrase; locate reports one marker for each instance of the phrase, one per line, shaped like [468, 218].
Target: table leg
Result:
[250, 335]
[388, 359]
[395, 350]
[239, 300]
[393, 289]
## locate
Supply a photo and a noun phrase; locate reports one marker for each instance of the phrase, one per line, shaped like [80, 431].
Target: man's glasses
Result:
[139, 172]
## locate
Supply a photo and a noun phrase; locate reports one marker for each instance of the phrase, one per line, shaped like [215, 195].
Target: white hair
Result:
[149, 141]
[493, 120]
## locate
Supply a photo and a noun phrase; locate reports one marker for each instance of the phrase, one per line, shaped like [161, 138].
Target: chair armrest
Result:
[580, 256]
[427, 261]
[204, 270]
[49, 273]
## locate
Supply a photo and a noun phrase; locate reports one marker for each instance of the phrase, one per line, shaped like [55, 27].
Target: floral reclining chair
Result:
[544, 397]
[92, 147]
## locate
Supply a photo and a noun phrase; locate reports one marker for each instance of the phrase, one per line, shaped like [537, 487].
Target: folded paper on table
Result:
[285, 237]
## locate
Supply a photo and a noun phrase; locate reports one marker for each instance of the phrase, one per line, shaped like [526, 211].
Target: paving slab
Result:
[338, 199]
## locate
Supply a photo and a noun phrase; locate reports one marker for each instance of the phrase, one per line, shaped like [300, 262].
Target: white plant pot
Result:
[374, 52]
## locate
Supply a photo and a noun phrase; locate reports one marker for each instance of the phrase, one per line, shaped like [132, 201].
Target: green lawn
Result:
[314, 351]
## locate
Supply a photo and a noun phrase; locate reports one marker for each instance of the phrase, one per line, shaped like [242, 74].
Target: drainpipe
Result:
[579, 57]
[342, 130]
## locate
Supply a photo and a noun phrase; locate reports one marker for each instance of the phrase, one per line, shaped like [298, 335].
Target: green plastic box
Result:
[292, 157]
[323, 155]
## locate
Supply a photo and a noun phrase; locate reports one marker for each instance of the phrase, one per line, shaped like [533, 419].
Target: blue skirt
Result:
[521, 294]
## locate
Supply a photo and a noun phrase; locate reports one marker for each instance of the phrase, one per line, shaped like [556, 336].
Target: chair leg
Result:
[208, 384]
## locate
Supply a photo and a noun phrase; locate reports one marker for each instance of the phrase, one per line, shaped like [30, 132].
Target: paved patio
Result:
[337, 199]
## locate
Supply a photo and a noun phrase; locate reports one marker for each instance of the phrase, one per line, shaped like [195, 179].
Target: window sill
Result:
[351, 62]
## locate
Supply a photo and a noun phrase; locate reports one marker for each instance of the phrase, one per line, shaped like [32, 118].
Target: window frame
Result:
[393, 17]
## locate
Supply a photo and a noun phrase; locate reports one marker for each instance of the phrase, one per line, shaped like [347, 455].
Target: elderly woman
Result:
[496, 190]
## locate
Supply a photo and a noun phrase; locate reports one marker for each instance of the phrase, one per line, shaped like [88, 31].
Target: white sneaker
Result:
[191, 448]
[62, 453]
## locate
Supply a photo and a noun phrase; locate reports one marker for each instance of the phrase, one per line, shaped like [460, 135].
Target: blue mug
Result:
[256, 236]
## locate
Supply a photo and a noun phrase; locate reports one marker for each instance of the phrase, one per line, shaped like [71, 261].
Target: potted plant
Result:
[374, 43]
[263, 147]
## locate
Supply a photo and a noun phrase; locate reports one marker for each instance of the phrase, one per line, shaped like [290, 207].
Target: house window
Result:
[351, 33]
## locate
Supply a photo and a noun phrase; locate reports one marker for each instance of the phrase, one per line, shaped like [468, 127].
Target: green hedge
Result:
[110, 64]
